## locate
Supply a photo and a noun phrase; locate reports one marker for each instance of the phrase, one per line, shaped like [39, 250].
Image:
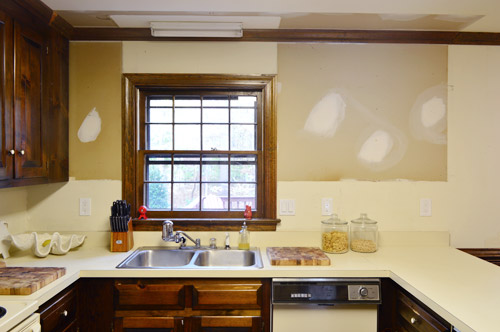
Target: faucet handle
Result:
[227, 246]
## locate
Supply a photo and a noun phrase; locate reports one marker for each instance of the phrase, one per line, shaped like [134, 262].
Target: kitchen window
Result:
[199, 148]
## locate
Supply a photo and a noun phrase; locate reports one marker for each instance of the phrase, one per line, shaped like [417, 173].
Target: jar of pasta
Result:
[364, 234]
[334, 235]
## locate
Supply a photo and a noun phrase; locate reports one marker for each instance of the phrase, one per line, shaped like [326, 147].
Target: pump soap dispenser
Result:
[244, 240]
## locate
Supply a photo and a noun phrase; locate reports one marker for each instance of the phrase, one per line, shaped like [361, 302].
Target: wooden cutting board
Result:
[26, 280]
[297, 256]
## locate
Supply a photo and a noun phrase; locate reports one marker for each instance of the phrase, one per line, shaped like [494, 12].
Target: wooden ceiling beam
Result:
[304, 36]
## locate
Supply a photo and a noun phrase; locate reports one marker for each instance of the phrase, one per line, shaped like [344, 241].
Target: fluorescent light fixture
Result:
[196, 29]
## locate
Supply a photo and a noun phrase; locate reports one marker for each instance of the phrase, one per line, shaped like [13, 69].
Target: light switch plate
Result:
[287, 207]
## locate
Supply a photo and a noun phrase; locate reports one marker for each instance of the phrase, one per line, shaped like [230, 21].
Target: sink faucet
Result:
[179, 236]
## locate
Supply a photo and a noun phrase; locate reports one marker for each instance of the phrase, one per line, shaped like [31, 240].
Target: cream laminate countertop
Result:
[459, 287]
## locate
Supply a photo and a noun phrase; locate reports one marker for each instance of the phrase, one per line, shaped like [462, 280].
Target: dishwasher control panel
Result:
[327, 291]
[363, 292]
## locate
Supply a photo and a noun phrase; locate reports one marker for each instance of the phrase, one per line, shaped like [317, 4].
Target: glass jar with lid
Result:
[334, 235]
[364, 234]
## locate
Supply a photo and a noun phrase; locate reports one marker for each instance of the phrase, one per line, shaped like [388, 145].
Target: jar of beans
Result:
[364, 234]
[334, 235]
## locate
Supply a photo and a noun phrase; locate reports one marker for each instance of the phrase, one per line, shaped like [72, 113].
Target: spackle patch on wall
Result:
[326, 116]
[428, 115]
[376, 147]
[90, 127]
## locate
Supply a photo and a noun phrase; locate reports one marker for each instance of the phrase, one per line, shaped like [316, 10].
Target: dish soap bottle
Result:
[244, 240]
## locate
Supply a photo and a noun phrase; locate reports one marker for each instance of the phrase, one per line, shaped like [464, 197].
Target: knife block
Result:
[123, 241]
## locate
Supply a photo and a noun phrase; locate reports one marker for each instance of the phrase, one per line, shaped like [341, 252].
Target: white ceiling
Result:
[465, 15]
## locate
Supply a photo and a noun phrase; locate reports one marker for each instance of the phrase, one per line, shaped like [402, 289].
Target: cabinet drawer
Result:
[149, 294]
[227, 296]
[59, 314]
[414, 317]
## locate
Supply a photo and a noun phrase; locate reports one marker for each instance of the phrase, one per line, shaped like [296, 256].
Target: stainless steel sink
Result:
[226, 258]
[167, 258]
[153, 257]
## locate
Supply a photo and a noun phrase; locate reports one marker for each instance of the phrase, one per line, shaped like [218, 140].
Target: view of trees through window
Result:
[201, 152]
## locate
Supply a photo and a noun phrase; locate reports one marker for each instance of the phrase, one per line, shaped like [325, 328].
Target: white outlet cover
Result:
[425, 207]
[85, 206]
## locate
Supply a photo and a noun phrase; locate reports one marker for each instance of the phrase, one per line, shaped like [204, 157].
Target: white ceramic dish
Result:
[45, 243]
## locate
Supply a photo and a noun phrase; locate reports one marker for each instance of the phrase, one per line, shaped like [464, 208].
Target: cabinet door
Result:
[29, 50]
[148, 324]
[6, 79]
[226, 324]
[60, 313]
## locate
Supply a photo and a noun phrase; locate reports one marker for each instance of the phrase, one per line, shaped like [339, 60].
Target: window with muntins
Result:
[203, 148]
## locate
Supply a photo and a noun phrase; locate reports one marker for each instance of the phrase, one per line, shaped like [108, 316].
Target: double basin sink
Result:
[169, 258]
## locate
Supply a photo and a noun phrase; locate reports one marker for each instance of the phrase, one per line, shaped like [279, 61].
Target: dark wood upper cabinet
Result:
[29, 54]
[6, 134]
[34, 71]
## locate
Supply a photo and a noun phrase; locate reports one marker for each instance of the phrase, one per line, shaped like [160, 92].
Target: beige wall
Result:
[200, 57]
[95, 82]
[379, 85]
[14, 208]
[466, 204]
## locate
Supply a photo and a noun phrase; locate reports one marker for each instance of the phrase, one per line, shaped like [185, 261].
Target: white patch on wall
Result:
[433, 111]
[376, 148]
[381, 145]
[90, 127]
[428, 115]
[326, 116]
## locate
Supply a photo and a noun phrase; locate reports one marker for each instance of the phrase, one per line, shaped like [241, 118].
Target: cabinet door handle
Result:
[413, 320]
[21, 152]
[11, 152]
[65, 313]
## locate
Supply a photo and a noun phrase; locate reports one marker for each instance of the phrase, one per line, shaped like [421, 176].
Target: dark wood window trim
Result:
[135, 84]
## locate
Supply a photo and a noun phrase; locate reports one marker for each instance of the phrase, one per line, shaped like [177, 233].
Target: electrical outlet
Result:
[326, 206]
[425, 207]
[85, 206]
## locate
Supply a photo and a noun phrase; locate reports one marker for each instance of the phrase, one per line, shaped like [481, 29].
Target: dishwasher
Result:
[325, 304]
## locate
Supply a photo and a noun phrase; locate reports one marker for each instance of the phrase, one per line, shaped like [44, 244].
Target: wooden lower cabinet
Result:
[60, 313]
[402, 312]
[136, 324]
[191, 305]
[226, 324]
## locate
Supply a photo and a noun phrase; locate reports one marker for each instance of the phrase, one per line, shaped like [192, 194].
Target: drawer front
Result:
[145, 295]
[413, 317]
[227, 296]
[227, 323]
[61, 315]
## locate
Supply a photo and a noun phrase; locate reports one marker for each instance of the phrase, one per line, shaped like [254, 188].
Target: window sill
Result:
[221, 224]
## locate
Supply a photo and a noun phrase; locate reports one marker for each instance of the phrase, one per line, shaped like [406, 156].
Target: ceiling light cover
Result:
[197, 29]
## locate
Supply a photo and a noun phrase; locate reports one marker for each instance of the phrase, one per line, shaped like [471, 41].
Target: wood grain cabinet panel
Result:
[34, 76]
[60, 313]
[415, 318]
[402, 312]
[6, 94]
[29, 64]
[226, 324]
[163, 324]
[145, 294]
[192, 305]
[223, 295]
